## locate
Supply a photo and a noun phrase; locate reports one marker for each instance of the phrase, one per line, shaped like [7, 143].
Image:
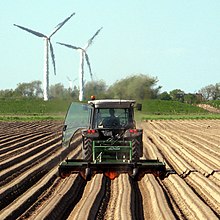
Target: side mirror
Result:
[139, 106]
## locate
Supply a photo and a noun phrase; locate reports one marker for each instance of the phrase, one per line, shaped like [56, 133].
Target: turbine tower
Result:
[71, 83]
[46, 52]
[83, 55]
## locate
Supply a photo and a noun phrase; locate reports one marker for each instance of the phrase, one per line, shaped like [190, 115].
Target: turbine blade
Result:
[60, 25]
[70, 46]
[92, 38]
[31, 31]
[53, 57]
[89, 66]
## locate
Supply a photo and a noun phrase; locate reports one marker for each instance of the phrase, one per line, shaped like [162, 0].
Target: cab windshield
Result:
[112, 117]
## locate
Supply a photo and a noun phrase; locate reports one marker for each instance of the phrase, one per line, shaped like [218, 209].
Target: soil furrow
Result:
[210, 194]
[68, 201]
[155, 202]
[188, 202]
[21, 147]
[19, 168]
[47, 202]
[120, 200]
[29, 178]
[83, 209]
[29, 188]
[19, 140]
[31, 151]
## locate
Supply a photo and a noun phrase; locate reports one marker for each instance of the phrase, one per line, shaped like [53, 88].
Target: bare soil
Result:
[209, 108]
[30, 188]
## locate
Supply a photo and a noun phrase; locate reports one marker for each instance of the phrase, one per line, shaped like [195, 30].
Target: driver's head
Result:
[111, 111]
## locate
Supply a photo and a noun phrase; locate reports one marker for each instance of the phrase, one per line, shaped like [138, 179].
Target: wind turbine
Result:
[83, 55]
[71, 83]
[46, 51]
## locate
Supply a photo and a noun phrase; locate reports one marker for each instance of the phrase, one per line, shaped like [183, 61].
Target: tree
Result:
[96, 88]
[58, 91]
[74, 93]
[177, 95]
[37, 90]
[164, 96]
[211, 92]
[190, 98]
[32, 89]
[7, 93]
[137, 87]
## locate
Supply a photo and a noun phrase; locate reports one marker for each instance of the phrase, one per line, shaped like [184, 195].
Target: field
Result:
[32, 109]
[30, 188]
[55, 109]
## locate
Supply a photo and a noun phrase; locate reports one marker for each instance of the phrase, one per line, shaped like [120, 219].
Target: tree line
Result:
[138, 87]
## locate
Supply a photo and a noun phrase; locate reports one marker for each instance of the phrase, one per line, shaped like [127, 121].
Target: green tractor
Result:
[111, 143]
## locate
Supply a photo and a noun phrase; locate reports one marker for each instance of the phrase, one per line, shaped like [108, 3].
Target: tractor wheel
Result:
[140, 143]
[135, 150]
[87, 149]
[88, 174]
[141, 149]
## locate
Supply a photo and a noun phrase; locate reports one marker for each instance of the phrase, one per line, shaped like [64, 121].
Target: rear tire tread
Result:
[87, 149]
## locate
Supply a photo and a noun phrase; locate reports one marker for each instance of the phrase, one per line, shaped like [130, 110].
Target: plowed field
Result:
[30, 188]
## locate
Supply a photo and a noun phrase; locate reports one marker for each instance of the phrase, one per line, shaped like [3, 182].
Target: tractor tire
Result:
[140, 142]
[135, 150]
[141, 149]
[87, 149]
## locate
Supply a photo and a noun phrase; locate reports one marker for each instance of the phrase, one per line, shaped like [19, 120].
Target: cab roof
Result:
[112, 103]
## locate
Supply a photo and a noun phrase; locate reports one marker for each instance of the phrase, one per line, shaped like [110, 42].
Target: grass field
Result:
[167, 110]
[37, 109]
[33, 106]
[214, 103]
[33, 109]
[161, 107]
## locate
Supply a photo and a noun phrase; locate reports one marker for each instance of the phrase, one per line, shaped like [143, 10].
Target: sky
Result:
[175, 41]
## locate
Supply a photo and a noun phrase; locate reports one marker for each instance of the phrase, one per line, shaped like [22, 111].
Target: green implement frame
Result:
[109, 156]
[112, 151]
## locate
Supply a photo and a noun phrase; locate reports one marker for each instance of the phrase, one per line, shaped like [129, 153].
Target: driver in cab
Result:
[112, 120]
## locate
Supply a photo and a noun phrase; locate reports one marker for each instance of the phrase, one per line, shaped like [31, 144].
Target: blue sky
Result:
[176, 41]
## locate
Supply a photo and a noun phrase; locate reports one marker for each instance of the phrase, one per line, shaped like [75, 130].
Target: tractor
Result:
[111, 142]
